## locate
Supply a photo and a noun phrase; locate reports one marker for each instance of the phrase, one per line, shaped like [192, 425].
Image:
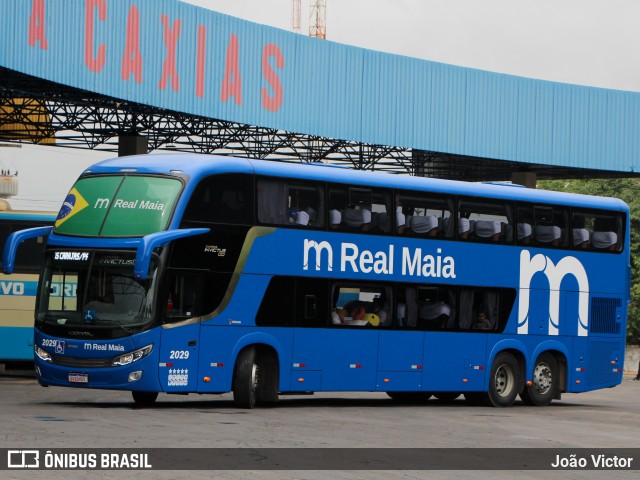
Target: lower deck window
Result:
[356, 305]
[321, 303]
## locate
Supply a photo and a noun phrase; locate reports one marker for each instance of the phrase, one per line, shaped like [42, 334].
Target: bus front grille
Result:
[81, 362]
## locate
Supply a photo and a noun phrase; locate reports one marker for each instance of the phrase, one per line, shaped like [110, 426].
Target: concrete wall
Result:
[631, 358]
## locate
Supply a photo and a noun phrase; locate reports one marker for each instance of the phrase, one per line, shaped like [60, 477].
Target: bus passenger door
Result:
[180, 337]
[179, 358]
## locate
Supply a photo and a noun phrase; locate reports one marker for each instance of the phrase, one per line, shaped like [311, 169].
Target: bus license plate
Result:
[78, 378]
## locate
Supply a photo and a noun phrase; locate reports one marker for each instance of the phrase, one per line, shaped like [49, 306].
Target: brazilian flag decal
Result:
[86, 206]
[73, 204]
[118, 206]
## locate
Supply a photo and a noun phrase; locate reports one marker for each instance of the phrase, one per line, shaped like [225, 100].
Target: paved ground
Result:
[35, 417]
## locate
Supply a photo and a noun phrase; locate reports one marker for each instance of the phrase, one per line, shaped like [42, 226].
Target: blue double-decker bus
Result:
[207, 274]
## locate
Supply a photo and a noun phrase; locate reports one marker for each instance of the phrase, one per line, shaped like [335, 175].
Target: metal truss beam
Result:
[33, 110]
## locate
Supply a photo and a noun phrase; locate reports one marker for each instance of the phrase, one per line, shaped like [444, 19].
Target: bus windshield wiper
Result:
[118, 324]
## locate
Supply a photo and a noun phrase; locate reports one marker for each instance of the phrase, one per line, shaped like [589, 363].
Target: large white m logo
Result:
[555, 274]
[318, 248]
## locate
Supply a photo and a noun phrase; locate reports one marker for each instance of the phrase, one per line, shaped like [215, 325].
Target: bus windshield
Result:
[94, 289]
[118, 206]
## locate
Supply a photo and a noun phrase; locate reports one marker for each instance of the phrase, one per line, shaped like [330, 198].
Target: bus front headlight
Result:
[42, 355]
[131, 357]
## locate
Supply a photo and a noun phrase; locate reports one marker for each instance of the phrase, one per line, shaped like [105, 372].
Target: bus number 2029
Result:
[179, 354]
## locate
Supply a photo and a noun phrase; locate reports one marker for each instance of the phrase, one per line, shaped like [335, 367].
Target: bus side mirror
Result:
[152, 241]
[13, 242]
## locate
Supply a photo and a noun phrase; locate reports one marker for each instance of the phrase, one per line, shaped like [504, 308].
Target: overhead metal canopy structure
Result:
[362, 109]
[82, 119]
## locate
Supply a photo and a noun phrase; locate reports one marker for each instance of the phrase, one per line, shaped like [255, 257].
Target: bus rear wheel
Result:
[504, 380]
[144, 399]
[544, 384]
[245, 379]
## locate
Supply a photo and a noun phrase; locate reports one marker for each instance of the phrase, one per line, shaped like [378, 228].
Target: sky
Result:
[586, 42]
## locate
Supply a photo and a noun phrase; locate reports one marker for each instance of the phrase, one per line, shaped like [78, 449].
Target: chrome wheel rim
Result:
[504, 381]
[542, 378]
[254, 377]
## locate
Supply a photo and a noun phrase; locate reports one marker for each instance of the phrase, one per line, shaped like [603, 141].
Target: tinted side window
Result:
[193, 293]
[31, 252]
[289, 202]
[277, 307]
[361, 305]
[445, 307]
[226, 198]
[484, 309]
[311, 302]
[542, 226]
[424, 215]
[436, 307]
[597, 231]
[360, 210]
[481, 220]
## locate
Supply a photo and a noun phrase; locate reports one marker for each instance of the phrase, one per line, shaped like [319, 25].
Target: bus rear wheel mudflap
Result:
[255, 377]
[504, 381]
[544, 383]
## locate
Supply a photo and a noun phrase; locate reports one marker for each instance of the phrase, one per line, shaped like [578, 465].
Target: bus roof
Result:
[198, 166]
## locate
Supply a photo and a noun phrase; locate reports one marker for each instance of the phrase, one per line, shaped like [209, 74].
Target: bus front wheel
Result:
[544, 384]
[144, 399]
[245, 379]
[504, 380]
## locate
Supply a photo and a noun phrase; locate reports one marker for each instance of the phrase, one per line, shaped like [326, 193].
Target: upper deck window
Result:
[360, 209]
[542, 226]
[118, 206]
[290, 202]
[425, 215]
[483, 220]
[598, 231]
[226, 198]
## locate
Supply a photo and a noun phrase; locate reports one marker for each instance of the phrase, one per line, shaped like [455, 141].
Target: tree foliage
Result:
[628, 190]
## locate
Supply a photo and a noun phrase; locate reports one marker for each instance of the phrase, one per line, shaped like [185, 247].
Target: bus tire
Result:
[245, 379]
[504, 380]
[545, 382]
[446, 397]
[144, 399]
[269, 368]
